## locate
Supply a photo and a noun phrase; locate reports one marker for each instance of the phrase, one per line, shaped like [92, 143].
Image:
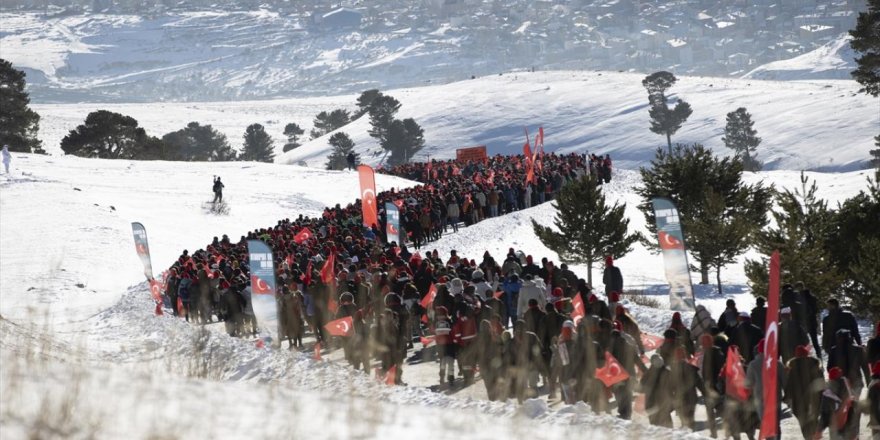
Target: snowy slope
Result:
[65, 221]
[805, 125]
[834, 60]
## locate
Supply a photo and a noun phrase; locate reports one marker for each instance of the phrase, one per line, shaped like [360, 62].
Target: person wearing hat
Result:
[627, 355]
[850, 358]
[873, 346]
[755, 382]
[713, 362]
[442, 330]
[611, 276]
[803, 387]
[791, 335]
[530, 290]
[563, 361]
[729, 317]
[759, 313]
[837, 412]
[746, 336]
[658, 400]
[596, 307]
[701, 323]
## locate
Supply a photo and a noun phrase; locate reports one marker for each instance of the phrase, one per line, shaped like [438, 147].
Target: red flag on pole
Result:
[527, 151]
[579, 311]
[302, 236]
[735, 375]
[429, 298]
[612, 372]
[327, 271]
[341, 327]
[771, 353]
[369, 211]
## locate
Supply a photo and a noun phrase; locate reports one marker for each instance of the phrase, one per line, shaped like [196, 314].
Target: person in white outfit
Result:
[6, 158]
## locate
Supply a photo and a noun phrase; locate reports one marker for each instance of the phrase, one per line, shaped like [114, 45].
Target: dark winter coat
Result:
[852, 360]
[612, 279]
[838, 320]
[804, 383]
[658, 400]
[791, 334]
[746, 336]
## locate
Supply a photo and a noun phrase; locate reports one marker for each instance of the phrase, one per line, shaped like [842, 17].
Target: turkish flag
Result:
[579, 311]
[527, 151]
[341, 327]
[156, 290]
[771, 352]
[398, 203]
[735, 375]
[327, 271]
[426, 341]
[258, 286]
[697, 359]
[302, 236]
[651, 342]
[669, 241]
[612, 372]
[369, 210]
[306, 278]
[530, 173]
[429, 298]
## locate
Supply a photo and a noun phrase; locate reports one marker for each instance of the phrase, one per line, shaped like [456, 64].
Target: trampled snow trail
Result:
[65, 223]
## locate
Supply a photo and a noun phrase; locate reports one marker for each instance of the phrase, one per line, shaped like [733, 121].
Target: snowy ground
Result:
[82, 353]
[820, 125]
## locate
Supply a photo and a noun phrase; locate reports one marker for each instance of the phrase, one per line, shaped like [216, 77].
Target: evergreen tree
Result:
[18, 123]
[258, 145]
[587, 229]
[109, 135]
[741, 137]
[718, 212]
[875, 153]
[364, 101]
[866, 41]
[342, 146]
[293, 132]
[404, 139]
[664, 120]
[802, 226]
[382, 111]
[854, 246]
[327, 122]
[199, 143]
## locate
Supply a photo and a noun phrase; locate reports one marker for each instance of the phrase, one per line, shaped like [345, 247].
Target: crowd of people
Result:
[515, 322]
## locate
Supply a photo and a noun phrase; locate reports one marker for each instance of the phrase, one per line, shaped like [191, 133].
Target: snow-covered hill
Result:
[77, 329]
[824, 125]
[834, 60]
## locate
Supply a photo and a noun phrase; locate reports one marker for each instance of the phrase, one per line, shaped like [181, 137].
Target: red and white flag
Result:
[651, 342]
[341, 327]
[303, 236]
[369, 208]
[771, 353]
[317, 355]
[579, 311]
[156, 290]
[612, 372]
[735, 375]
[429, 298]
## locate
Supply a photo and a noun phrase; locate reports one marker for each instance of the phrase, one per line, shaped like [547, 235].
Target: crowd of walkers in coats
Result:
[515, 322]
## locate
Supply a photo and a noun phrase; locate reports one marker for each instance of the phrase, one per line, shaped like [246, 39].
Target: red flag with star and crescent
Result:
[156, 290]
[341, 327]
[369, 209]
[771, 353]
[579, 311]
[302, 236]
[428, 300]
[735, 375]
[612, 372]
[669, 241]
[651, 342]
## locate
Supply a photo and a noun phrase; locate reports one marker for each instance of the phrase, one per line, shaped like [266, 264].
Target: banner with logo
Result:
[392, 223]
[678, 274]
[475, 154]
[368, 196]
[262, 267]
[142, 248]
[771, 352]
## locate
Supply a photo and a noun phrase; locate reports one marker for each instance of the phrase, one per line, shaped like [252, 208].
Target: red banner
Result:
[368, 196]
[771, 352]
[477, 154]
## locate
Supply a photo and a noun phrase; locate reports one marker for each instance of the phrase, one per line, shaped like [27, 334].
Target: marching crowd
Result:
[517, 322]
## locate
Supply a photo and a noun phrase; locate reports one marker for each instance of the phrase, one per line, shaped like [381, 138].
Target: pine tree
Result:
[854, 246]
[711, 198]
[364, 101]
[875, 153]
[404, 139]
[293, 132]
[866, 41]
[258, 145]
[18, 123]
[342, 146]
[741, 137]
[198, 142]
[382, 111]
[802, 226]
[587, 229]
[109, 135]
[664, 120]
[326, 122]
